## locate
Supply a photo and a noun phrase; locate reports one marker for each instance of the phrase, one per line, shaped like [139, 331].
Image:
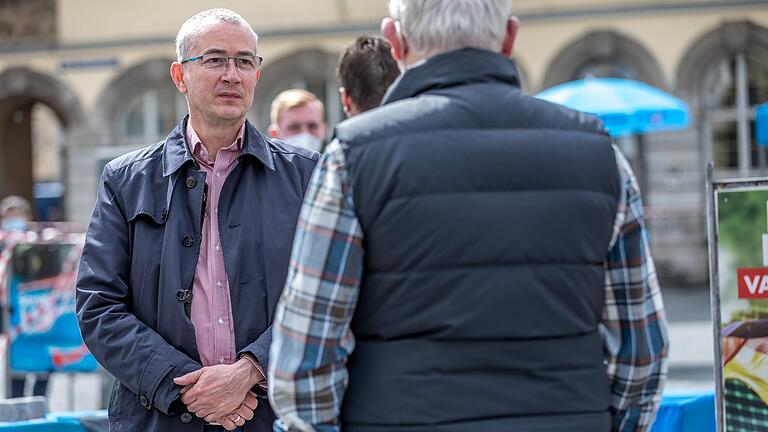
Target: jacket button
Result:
[144, 401]
[164, 216]
[191, 182]
[189, 241]
[186, 417]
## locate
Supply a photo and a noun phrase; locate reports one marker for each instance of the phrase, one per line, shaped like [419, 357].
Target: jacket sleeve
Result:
[131, 351]
[260, 348]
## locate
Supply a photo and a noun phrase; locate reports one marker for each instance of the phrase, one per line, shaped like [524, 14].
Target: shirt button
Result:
[221, 321]
[219, 284]
[221, 360]
[218, 247]
[218, 173]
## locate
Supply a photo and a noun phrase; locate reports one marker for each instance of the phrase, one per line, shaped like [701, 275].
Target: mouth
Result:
[229, 95]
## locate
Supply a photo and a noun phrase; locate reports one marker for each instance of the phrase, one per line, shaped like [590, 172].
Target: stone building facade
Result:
[82, 82]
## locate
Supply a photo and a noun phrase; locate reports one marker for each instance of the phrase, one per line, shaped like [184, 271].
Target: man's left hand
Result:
[238, 418]
[215, 391]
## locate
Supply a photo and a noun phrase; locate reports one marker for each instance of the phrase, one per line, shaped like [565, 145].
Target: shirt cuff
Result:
[263, 381]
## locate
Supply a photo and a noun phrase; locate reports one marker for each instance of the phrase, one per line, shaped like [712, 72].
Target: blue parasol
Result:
[625, 106]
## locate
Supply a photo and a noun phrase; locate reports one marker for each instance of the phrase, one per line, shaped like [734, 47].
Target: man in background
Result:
[366, 70]
[468, 258]
[297, 118]
[15, 215]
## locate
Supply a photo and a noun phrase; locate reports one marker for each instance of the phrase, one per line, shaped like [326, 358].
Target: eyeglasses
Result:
[219, 62]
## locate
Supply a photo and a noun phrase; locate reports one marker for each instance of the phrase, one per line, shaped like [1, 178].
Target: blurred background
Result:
[82, 82]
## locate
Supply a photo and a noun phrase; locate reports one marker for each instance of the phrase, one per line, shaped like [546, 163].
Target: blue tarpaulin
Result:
[686, 412]
[81, 421]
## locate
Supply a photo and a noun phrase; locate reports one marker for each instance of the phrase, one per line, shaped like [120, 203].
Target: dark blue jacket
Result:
[487, 217]
[139, 261]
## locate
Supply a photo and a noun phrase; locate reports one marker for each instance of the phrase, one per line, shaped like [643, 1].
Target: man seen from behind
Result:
[468, 258]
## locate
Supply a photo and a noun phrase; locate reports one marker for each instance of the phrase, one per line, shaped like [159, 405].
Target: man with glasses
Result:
[188, 248]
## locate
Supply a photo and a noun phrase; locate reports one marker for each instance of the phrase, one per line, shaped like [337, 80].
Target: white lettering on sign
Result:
[753, 281]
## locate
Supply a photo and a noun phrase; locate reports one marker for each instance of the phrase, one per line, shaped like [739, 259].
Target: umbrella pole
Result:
[641, 159]
[761, 159]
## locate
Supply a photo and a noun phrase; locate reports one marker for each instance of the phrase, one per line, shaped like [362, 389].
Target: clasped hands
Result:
[221, 393]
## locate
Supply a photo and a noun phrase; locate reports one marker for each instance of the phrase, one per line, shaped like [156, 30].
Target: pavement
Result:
[691, 354]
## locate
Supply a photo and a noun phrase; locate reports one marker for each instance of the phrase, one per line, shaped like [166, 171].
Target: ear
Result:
[274, 131]
[513, 24]
[389, 31]
[177, 75]
[345, 102]
[258, 74]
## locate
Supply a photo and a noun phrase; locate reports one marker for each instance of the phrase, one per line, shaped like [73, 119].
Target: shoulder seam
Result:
[127, 164]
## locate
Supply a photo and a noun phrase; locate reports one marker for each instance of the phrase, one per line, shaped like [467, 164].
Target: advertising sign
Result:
[738, 233]
[42, 326]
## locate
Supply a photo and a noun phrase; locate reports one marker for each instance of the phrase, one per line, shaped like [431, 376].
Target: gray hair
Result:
[188, 32]
[435, 26]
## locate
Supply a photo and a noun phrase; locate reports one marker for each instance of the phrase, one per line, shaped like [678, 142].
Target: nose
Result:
[231, 74]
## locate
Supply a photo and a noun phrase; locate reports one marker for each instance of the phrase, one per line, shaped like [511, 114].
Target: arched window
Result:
[141, 105]
[604, 54]
[313, 70]
[150, 116]
[725, 74]
[732, 89]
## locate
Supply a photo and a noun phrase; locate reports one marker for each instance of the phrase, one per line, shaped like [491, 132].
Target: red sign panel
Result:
[753, 282]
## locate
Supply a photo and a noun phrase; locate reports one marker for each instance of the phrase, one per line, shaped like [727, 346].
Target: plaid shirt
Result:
[312, 338]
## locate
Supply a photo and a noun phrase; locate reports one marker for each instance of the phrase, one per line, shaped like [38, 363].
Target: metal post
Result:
[6, 329]
[742, 117]
[714, 290]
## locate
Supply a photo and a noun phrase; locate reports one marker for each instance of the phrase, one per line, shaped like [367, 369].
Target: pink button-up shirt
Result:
[211, 303]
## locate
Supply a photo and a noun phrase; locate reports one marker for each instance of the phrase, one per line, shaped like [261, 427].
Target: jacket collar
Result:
[176, 152]
[452, 68]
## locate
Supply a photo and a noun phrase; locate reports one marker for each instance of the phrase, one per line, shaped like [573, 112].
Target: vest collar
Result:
[452, 68]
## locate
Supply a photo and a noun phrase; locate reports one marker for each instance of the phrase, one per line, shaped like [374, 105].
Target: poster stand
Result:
[737, 222]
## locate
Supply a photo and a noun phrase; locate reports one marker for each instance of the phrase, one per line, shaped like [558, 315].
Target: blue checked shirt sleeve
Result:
[634, 326]
[311, 335]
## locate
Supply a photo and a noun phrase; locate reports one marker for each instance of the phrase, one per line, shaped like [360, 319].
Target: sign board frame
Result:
[743, 303]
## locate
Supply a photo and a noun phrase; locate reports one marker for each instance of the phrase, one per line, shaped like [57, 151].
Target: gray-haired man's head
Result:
[435, 26]
[188, 32]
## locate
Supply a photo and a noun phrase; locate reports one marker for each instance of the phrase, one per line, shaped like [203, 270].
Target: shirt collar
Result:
[200, 153]
[176, 152]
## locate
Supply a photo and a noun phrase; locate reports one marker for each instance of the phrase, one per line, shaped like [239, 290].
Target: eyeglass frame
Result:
[192, 59]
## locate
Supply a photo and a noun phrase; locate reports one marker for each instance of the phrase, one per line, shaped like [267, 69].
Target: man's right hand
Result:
[238, 417]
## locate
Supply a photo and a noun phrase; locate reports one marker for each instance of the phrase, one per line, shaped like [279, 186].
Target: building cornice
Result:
[344, 29]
